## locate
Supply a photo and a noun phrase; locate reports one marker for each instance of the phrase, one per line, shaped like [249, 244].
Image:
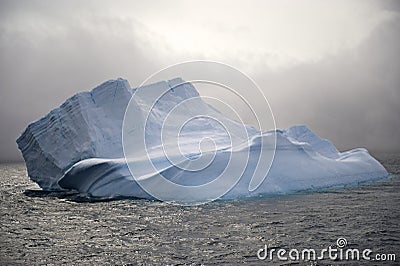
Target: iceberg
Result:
[87, 146]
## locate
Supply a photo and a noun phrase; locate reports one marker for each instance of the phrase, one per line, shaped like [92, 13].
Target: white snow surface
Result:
[79, 146]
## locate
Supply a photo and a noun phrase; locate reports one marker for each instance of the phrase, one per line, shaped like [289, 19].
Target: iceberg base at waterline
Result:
[79, 146]
[293, 170]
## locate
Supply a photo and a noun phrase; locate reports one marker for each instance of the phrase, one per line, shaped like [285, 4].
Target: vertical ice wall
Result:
[86, 125]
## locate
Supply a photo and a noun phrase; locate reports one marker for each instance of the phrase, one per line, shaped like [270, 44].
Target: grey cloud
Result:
[49, 51]
[351, 98]
[39, 71]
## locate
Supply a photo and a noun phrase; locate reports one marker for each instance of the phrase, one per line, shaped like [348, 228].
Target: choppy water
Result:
[50, 228]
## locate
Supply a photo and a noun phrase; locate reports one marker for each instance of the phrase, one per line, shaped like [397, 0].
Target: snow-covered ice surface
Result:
[79, 146]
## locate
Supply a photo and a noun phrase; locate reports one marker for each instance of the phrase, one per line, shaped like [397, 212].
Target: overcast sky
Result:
[333, 65]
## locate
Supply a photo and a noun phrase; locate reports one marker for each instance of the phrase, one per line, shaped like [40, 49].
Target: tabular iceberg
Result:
[79, 146]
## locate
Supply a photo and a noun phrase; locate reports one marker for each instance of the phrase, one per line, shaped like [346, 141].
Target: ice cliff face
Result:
[79, 146]
[87, 125]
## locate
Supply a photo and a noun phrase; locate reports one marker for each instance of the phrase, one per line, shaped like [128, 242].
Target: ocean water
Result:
[56, 228]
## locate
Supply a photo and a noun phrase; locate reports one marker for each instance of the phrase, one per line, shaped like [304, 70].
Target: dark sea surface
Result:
[53, 228]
